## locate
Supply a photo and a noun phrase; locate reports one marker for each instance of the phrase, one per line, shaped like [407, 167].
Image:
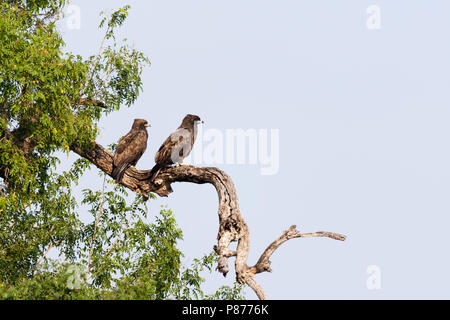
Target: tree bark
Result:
[232, 226]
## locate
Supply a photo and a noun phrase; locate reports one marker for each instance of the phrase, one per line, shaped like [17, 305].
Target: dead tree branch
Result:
[232, 226]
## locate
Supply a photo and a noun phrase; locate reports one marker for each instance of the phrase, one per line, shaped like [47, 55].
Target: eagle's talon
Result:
[180, 164]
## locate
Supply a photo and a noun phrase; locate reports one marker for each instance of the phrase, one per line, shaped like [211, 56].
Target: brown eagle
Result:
[130, 148]
[178, 145]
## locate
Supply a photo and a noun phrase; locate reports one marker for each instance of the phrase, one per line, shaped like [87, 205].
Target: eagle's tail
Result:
[118, 172]
[155, 170]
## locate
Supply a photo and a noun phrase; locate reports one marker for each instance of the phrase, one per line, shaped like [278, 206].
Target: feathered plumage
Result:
[130, 148]
[178, 145]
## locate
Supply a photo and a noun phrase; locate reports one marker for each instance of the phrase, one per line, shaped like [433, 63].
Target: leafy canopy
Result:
[50, 101]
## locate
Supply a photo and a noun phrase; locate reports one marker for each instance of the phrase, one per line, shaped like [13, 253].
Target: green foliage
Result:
[189, 284]
[116, 255]
[50, 101]
[47, 104]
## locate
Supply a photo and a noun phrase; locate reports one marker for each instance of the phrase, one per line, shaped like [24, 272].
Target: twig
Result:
[95, 226]
[45, 254]
[49, 247]
[119, 236]
[97, 58]
[115, 241]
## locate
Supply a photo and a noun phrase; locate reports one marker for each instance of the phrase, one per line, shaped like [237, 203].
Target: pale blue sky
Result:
[364, 125]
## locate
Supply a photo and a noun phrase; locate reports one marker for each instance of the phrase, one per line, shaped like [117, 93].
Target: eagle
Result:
[130, 148]
[178, 145]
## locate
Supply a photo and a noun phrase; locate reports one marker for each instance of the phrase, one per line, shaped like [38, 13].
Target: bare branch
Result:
[48, 248]
[263, 263]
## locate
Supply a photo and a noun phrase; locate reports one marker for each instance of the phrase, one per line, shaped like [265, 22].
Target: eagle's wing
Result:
[126, 140]
[176, 147]
[129, 151]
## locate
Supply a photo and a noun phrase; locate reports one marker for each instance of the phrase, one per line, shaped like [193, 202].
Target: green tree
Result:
[50, 101]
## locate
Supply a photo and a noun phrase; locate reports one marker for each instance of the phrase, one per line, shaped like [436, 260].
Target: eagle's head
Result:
[190, 121]
[140, 124]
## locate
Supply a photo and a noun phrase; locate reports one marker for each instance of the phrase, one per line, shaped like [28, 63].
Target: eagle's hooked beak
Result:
[147, 125]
